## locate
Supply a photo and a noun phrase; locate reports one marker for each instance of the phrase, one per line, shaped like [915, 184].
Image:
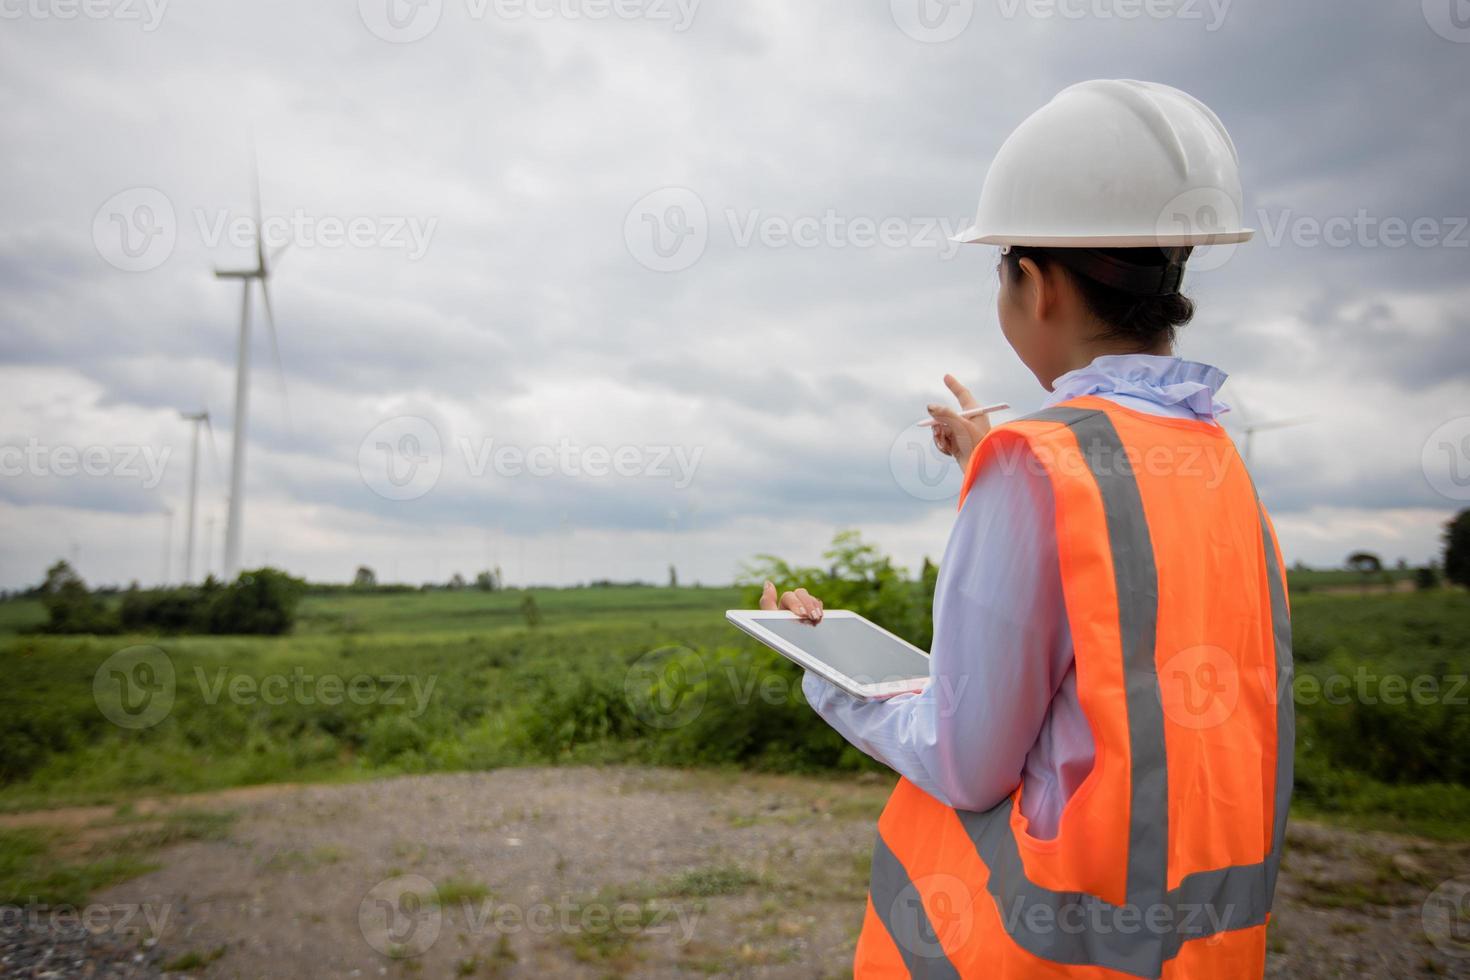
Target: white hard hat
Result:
[1113, 163]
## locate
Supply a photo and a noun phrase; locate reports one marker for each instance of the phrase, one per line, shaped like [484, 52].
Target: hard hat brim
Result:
[975, 236]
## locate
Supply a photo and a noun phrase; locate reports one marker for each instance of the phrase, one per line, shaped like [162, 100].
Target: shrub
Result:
[262, 602]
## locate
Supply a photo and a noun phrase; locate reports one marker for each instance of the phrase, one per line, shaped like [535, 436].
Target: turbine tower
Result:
[261, 271]
[198, 418]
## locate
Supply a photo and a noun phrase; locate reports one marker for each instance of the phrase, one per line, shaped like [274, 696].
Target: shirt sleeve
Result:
[1001, 649]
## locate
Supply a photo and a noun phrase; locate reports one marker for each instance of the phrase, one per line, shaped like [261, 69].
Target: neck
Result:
[1088, 351]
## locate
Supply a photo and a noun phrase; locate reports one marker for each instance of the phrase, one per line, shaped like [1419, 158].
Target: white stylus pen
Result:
[970, 413]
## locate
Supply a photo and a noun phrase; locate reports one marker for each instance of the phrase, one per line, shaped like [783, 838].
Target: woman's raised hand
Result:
[801, 602]
[955, 435]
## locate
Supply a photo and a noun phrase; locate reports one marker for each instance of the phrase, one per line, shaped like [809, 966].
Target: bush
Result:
[858, 578]
[260, 602]
[1457, 549]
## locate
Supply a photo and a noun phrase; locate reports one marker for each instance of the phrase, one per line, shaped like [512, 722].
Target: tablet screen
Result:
[853, 647]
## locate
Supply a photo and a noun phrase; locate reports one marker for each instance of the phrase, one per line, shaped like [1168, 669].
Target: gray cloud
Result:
[527, 317]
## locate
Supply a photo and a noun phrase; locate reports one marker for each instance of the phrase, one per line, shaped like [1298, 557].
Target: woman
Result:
[1095, 781]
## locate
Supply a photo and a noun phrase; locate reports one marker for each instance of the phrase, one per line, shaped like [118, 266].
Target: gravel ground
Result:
[46, 951]
[596, 872]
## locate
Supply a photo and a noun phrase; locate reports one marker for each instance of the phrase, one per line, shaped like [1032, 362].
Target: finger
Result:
[961, 393]
[810, 604]
[944, 416]
[790, 600]
[768, 595]
[817, 616]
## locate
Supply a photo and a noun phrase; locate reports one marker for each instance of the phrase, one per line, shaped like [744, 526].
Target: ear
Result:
[1037, 293]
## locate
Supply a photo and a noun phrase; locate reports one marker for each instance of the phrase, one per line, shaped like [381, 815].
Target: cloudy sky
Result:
[585, 287]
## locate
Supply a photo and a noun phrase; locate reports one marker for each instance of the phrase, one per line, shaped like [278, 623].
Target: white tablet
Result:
[860, 657]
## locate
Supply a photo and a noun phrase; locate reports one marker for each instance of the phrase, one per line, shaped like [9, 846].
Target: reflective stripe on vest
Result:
[1073, 927]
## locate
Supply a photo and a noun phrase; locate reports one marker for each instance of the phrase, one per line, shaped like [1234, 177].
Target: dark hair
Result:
[1141, 321]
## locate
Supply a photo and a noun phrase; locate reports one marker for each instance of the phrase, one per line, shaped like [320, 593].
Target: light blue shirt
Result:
[1001, 707]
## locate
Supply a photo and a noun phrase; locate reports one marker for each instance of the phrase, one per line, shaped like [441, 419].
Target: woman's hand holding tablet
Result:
[858, 656]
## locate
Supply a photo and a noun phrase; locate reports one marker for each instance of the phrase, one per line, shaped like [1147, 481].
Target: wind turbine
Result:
[1251, 428]
[168, 545]
[262, 273]
[198, 418]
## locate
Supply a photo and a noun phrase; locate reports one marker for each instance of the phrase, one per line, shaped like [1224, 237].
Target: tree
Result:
[456, 582]
[70, 608]
[673, 577]
[1364, 562]
[488, 581]
[1457, 548]
[365, 580]
[530, 610]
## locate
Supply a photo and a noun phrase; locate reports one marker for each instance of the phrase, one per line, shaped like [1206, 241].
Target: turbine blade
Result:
[276, 255]
[213, 450]
[270, 321]
[255, 199]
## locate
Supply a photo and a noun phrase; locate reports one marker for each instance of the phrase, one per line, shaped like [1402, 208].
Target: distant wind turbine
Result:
[261, 272]
[199, 419]
[208, 544]
[168, 544]
[1251, 428]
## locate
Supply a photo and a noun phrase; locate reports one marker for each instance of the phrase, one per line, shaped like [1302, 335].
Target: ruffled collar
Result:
[1151, 377]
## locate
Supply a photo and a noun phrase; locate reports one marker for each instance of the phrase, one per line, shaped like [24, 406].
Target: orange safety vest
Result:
[1165, 859]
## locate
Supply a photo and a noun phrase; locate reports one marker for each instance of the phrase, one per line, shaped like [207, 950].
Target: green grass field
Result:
[371, 685]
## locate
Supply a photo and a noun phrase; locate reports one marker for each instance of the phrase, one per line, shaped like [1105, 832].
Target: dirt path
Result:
[598, 872]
